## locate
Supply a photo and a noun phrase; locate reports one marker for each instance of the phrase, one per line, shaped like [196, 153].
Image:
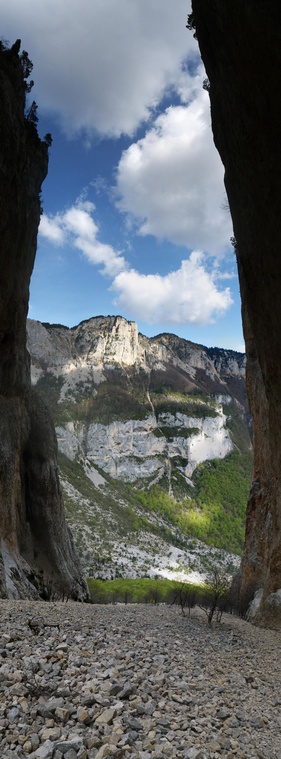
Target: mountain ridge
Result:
[147, 413]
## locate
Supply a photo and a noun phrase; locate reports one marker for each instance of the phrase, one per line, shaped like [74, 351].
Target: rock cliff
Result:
[240, 45]
[144, 403]
[151, 432]
[36, 545]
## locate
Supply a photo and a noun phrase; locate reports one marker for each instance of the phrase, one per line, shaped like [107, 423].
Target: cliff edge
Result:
[36, 547]
[240, 44]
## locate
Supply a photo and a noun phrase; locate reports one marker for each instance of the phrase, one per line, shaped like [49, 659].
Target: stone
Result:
[27, 747]
[51, 733]
[35, 741]
[106, 750]
[83, 715]
[126, 691]
[13, 714]
[62, 713]
[74, 742]
[106, 717]
[45, 751]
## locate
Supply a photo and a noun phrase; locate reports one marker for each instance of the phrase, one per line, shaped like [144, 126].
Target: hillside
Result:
[154, 440]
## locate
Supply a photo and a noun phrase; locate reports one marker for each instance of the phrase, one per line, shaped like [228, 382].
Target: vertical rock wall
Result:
[36, 546]
[240, 44]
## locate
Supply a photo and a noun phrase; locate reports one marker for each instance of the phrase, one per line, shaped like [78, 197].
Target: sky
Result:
[135, 216]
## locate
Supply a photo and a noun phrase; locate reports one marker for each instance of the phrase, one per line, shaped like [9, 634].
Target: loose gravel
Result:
[138, 681]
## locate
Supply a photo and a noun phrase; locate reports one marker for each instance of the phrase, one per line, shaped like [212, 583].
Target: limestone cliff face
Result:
[35, 542]
[138, 408]
[240, 43]
[94, 348]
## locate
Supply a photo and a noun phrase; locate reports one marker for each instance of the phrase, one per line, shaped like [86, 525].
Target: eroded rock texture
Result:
[240, 44]
[36, 545]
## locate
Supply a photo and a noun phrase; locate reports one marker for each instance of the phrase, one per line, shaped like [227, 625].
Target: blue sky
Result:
[135, 214]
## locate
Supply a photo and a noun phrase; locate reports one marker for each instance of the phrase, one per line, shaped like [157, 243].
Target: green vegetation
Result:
[214, 596]
[178, 403]
[172, 432]
[215, 510]
[237, 428]
[49, 387]
[125, 518]
[144, 590]
[120, 398]
[110, 403]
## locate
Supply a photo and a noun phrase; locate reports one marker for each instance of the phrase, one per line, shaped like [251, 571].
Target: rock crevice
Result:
[36, 545]
[240, 44]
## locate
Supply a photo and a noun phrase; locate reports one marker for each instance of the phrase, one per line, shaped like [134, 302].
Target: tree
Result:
[216, 595]
[190, 24]
[185, 596]
[48, 139]
[31, 115]
[25, 62]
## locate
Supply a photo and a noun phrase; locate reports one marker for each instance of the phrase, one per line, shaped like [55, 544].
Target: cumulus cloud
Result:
[170, 182]
[76, 226]
[101, 65]
[188, 295]
[52, 229]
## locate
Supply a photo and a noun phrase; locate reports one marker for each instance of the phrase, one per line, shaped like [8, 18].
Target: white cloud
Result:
[170, 183]
[101, 65]
[51, 228]
[188, 295]
[76, 227]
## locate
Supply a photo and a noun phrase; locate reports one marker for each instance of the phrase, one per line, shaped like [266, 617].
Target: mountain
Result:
[154, 441]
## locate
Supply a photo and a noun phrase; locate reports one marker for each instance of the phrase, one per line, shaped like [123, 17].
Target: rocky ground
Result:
[140, 682]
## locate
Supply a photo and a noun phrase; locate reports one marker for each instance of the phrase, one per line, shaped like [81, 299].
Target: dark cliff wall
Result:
[36, 545]
[240, 43]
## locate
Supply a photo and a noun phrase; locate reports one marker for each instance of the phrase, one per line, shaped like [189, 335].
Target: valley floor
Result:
[83, 681]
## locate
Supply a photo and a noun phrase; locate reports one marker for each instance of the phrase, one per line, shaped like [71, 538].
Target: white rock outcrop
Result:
[131, 450]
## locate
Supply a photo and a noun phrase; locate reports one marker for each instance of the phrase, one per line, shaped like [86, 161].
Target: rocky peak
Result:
[110, 339]
[107, 342]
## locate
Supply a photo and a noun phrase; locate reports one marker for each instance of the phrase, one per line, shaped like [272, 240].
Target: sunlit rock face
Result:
[36, 545]
[137, 408]
[130, 450]
[241, 50]
[101, 344]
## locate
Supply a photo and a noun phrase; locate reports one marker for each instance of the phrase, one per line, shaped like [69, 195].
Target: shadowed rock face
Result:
[36, 545]
[240, 43]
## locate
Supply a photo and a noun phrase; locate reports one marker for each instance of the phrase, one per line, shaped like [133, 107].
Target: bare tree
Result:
[185, 596]
[216, 594]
